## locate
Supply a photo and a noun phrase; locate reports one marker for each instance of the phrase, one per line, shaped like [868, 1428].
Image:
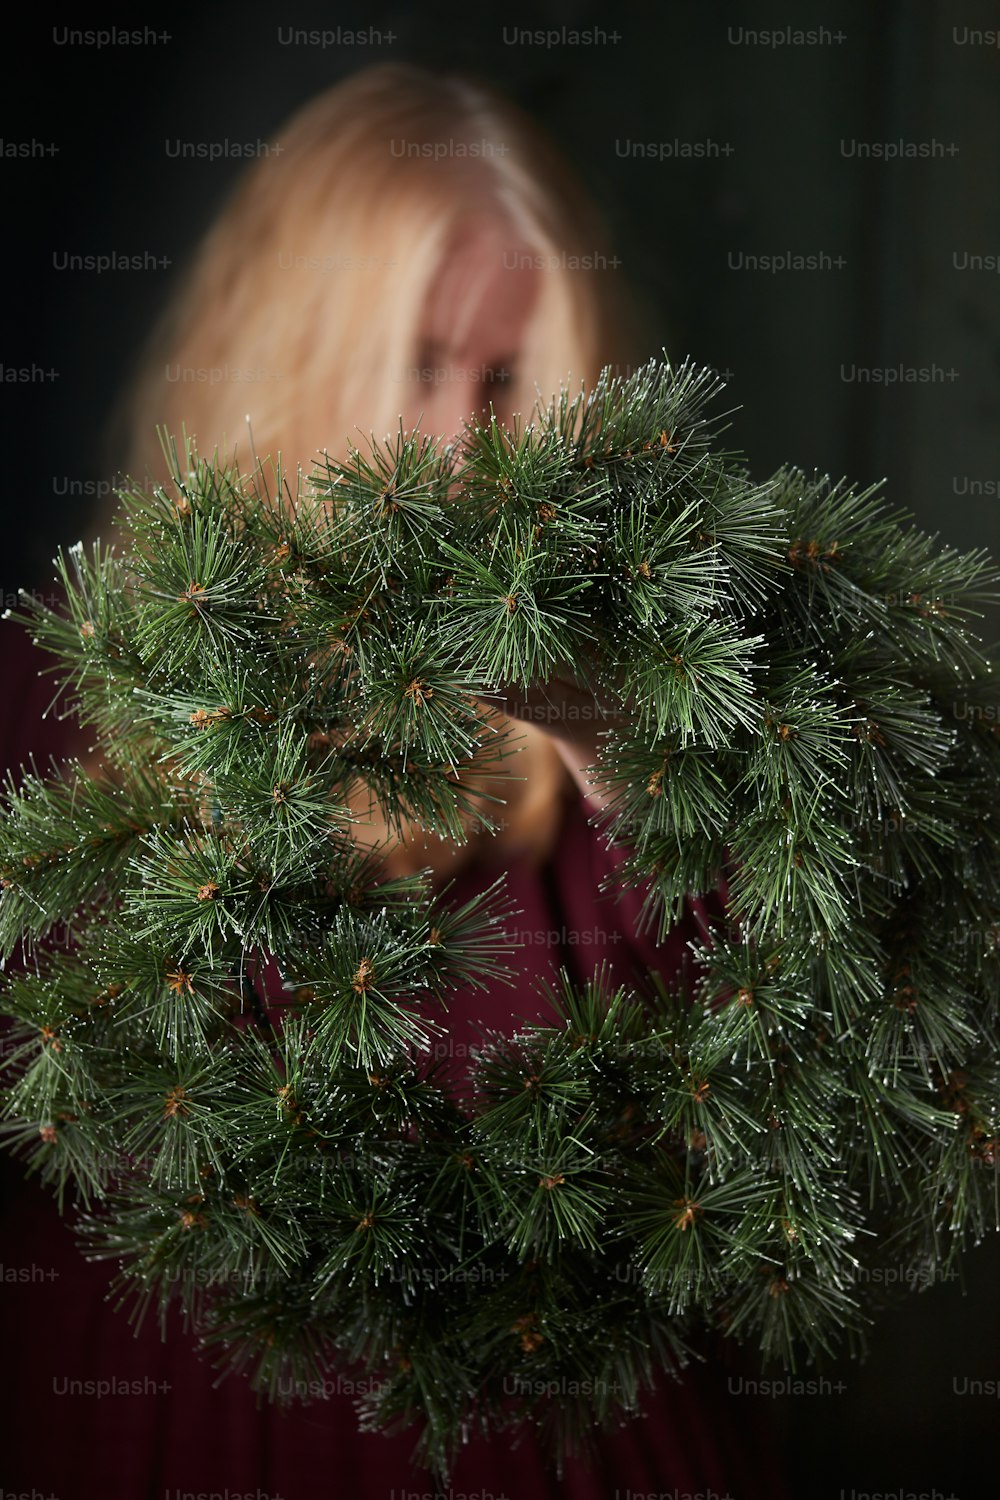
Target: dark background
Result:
[899, 72]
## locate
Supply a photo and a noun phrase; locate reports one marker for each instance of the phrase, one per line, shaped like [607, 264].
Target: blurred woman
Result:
[409, 249]
[412, 250]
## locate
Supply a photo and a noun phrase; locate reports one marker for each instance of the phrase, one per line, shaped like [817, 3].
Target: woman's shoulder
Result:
[33, 721]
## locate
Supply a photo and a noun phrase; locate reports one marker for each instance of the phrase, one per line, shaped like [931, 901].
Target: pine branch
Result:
[225, 1026]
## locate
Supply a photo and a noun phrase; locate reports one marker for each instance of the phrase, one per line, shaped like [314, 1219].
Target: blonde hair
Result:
[302, 305]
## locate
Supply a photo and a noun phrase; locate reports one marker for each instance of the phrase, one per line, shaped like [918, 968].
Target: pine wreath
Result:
[801, 710]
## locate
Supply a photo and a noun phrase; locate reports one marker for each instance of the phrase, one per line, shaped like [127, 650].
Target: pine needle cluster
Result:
[222, 1011]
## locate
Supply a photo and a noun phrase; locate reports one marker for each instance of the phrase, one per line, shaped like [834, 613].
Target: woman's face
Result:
[472, 331]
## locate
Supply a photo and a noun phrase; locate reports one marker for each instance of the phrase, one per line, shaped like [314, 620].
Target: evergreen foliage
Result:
[799, 711]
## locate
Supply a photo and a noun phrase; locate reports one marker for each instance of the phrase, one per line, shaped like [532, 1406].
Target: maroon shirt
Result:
[148, 1421]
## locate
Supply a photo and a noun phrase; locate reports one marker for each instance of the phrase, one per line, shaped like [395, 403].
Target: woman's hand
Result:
[572, 717]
